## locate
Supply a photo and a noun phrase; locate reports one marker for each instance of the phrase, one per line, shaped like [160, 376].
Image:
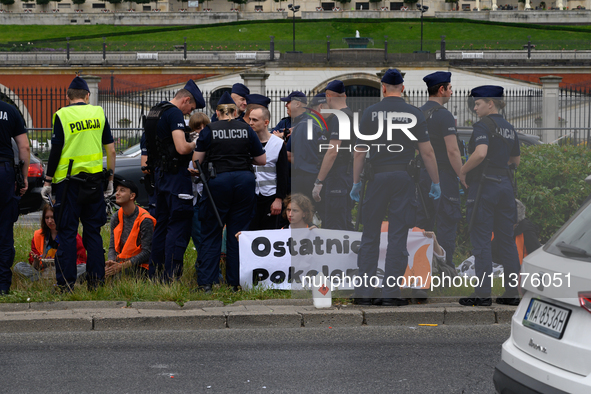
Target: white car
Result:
[549, 350]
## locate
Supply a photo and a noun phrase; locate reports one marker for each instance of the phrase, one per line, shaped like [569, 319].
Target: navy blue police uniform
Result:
[306, 158]
[151, 197]
[496, 211]
[174, 201]
[339, 180]
[84, 201]
[283, 125]
[229, 147]
[391, 192]
[445, 211]
[240, 90]
[319, 118]
[11, 125]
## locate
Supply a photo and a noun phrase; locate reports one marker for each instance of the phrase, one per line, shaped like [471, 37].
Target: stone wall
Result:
[135, 18]
[538, 17]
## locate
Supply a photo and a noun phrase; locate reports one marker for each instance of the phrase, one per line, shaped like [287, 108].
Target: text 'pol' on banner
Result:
[288, 259]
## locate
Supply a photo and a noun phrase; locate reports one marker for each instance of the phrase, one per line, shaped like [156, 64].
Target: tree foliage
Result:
[7, 2]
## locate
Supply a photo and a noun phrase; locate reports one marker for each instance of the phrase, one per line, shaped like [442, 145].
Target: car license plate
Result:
[546, 318]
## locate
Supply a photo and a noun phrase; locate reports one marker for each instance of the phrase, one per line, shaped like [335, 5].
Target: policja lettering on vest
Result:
[84, 125]
[391, 191]
[230, 134]
[491, 153]
[232, 186]
[75, 166]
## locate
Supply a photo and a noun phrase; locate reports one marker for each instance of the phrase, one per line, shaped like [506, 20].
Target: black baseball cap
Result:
[128, 184]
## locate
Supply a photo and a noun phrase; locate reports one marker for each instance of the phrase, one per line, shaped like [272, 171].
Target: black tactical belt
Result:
[497, 172]
[390, 168]
[3, 159]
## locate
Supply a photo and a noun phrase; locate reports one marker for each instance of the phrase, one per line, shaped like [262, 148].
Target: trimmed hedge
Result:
[551, 184]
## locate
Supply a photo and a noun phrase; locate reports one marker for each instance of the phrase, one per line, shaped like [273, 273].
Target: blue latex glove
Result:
[355, 191]
[435, 192]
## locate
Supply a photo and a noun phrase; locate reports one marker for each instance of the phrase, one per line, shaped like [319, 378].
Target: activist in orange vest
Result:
[131, 233]
[526, 235]
[43, 248]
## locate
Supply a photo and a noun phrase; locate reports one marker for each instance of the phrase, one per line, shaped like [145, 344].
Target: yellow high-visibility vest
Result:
[83, 132]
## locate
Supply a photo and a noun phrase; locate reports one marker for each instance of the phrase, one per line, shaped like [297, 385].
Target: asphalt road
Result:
[31, 219]
[453, 359]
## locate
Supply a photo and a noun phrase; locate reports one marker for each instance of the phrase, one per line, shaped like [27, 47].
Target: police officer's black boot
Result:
[207, 289]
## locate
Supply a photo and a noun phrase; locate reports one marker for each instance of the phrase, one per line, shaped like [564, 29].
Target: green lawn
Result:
[128, 288]
[403, 36]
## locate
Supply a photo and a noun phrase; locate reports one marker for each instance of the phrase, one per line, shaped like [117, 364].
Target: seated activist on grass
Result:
[132, 229]
[43, 248]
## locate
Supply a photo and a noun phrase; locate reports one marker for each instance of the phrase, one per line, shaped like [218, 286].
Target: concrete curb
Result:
[206, 315]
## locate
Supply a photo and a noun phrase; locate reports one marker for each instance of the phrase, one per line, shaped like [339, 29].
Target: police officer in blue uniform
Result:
[227, 148]
[80, 132]
[148, 177]
[390, 189]
[169, 153]
[304, 154]
[11, 126]
[258, 99]
[445, 211]
[494, 145]
[239, 95]
[255, 101]
[335, 175]
[282, 129]
[317, 104]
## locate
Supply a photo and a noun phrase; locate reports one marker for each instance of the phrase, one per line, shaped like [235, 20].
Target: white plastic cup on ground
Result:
[321, 293]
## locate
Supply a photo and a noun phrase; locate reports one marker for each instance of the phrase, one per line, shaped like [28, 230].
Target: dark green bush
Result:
[551, 184]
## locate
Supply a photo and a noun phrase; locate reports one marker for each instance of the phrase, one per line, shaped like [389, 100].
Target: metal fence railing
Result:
[124, 109]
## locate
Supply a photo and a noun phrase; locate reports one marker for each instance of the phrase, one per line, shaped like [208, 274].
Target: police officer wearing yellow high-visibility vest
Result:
[80, 131]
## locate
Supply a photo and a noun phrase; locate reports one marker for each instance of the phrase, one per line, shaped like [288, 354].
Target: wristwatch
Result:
[47, 180]
[318, 182]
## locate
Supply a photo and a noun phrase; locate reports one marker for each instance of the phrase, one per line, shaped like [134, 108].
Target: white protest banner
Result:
[281, 259]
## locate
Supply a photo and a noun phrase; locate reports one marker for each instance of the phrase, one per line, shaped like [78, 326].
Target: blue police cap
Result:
[392, 77]
[191, 86]
[226, 99]
[320, 98]
[80, 84]
[258, 99]
[336, 86]
[299, 96]
[240, 90]
[488, 91]
[437, 78]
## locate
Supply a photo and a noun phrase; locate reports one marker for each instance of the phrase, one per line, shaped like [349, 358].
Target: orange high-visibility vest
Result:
[520, 243]
[39, 241]
[131, 247]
